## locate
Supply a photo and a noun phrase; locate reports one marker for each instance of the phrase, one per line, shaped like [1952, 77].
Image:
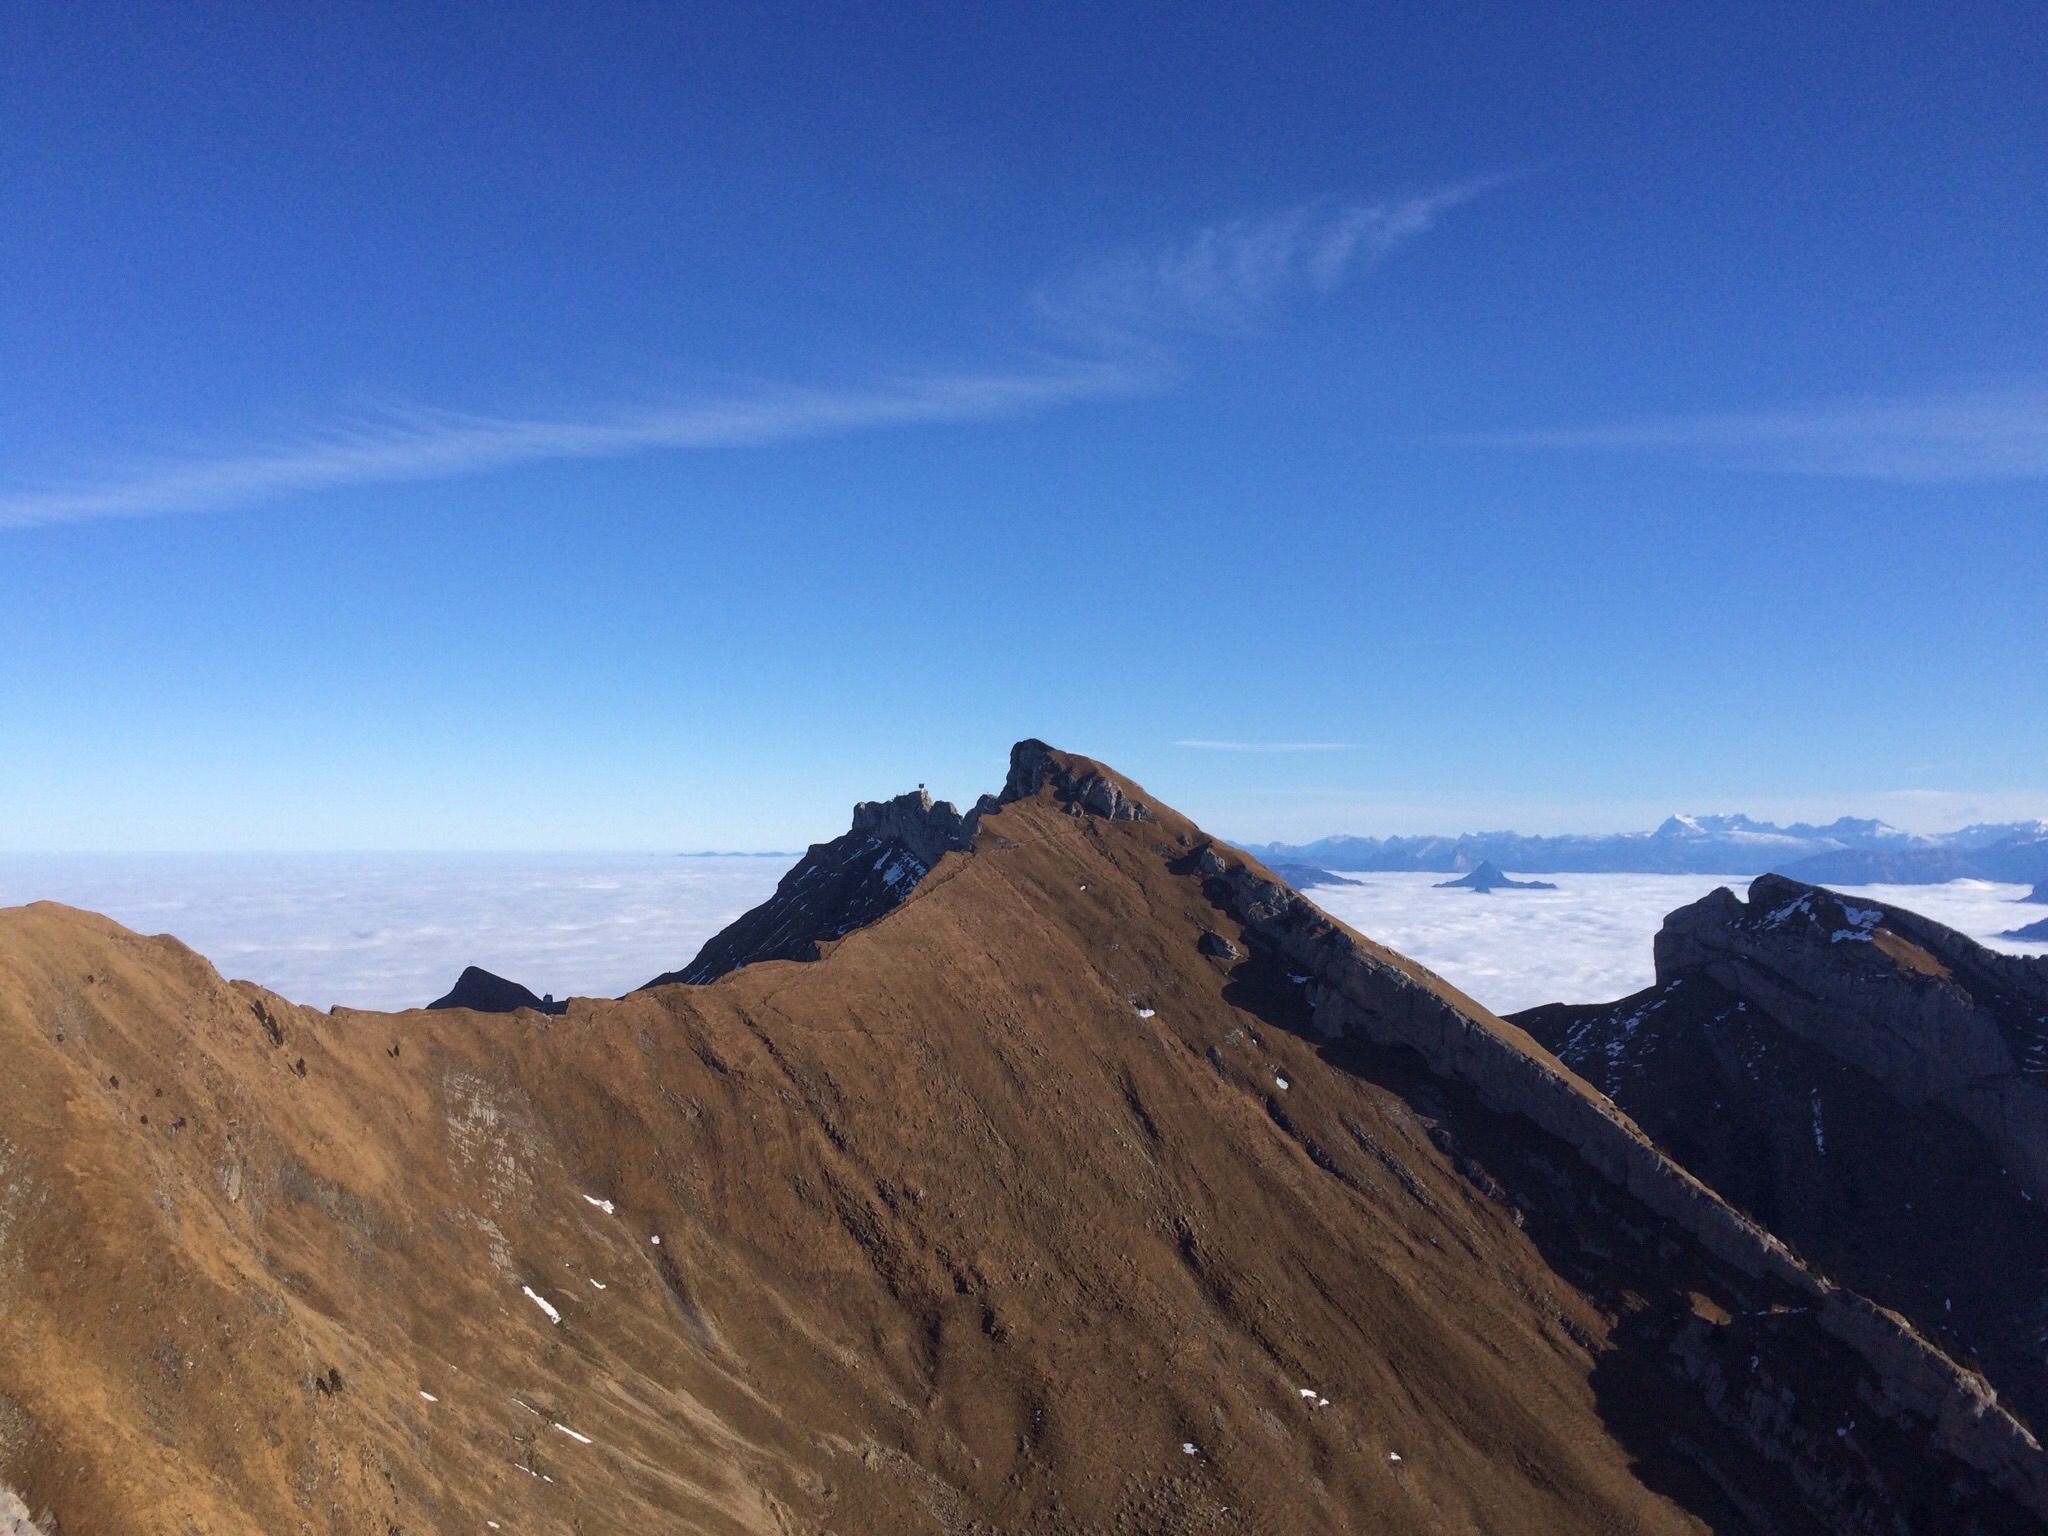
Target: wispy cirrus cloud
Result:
[1996, 433]
[400, 446]
[1268, 746]
[1116, 322]
[1231, 276]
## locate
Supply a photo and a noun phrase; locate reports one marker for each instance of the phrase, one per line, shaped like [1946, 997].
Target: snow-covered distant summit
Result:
[1983, 834]
[1848, 850]
[1842, 832]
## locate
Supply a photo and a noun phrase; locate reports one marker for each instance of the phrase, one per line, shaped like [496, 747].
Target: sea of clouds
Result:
[394, 930]
[1589, 940]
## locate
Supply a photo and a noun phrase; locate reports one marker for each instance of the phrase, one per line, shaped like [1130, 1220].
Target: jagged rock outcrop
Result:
[836, 887]
[1489, 877]
[1932, 1015]
[1080, 783]
[483, 992]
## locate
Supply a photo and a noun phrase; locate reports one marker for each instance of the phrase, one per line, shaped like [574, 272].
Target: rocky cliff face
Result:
[1825, 1065]
[1931, 1015]
[1080, 784]
[836, 887]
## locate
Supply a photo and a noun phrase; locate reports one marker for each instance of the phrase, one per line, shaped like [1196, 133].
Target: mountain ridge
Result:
[1022, 1205]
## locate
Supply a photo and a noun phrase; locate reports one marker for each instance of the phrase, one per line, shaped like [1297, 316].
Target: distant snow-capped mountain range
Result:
[1847, 851]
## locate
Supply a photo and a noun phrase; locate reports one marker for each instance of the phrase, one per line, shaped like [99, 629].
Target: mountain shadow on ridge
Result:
[1868, 1084]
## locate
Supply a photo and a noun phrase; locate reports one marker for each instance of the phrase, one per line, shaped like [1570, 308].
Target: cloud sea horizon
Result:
[393, 931]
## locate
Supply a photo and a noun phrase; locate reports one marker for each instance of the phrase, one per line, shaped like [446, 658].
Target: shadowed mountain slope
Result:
[1019, 1208]
[836, 887]
[1868, 1084]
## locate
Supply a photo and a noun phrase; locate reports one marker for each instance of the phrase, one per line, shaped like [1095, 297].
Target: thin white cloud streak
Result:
[429, 445]
[1118, 321]
[1230, 276]
[1983, 434]
[1268, 746]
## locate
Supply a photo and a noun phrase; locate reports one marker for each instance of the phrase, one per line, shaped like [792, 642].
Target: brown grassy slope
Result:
[951, 1239]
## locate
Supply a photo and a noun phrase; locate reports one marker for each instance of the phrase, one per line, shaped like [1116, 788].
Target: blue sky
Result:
[658, 426]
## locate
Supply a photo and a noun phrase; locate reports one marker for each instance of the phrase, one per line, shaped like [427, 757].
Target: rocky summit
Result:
[1095, 1181]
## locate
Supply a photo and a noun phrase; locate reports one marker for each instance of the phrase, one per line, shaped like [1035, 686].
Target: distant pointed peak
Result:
[1490, 877]
[483, 991]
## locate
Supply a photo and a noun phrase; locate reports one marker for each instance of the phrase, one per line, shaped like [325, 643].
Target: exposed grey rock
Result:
[1371, 992]
[1932, 1015]
[1908, 1205]
[1077, 782]
[14, 1518]
[1213, 943]
[928, 828]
